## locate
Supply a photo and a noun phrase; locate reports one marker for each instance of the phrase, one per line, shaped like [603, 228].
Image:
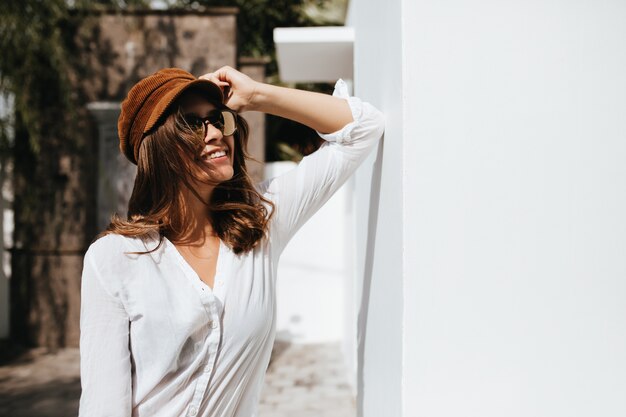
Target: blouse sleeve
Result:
[105, 365]
[299, 193]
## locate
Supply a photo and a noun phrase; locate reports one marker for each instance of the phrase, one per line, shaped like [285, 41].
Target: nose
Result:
[212, 133]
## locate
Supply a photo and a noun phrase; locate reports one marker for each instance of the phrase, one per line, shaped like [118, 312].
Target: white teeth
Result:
[216, 154]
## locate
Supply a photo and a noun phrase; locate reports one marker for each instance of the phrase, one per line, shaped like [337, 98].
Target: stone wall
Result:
[120, 49]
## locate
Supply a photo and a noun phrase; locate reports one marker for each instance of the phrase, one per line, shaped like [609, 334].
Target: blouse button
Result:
[193, 411]
[213, 324]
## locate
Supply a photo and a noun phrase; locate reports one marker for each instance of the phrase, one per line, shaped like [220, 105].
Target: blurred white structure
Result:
[314, 54]
[490, 231]
[311, 273]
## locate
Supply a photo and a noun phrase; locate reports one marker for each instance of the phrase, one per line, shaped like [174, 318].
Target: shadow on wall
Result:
[114, 62]
[367, 276]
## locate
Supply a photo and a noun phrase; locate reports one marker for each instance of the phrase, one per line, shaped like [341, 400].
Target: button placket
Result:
[211, 354]
[209, 301]
[203, 380]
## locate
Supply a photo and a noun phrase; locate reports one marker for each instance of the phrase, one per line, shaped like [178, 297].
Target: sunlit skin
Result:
[221, 169]
[218, 170]
[201, 248]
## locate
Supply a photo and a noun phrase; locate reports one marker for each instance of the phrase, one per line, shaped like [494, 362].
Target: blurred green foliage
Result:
[31, 69]
[36, 50]
[36, 45]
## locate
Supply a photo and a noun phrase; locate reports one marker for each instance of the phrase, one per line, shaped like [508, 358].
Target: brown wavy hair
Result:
[167, 163]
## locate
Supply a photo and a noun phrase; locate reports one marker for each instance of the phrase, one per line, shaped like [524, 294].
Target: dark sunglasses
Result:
[224, 120]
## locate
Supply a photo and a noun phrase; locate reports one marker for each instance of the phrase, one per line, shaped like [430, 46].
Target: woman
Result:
[178, 303]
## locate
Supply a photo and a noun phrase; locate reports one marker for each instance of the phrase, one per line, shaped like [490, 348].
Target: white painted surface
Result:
[312, 273]
[314, 54]
[514, 208]
[314, 34]
[491, 244]
[378, 207]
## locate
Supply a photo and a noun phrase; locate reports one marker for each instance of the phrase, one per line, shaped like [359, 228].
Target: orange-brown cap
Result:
[148, 101]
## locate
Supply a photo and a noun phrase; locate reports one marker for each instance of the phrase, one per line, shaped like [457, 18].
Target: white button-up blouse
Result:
[156, 341]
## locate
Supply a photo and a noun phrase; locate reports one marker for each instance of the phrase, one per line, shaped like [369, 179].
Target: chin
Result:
[221, 174]
[227, 172]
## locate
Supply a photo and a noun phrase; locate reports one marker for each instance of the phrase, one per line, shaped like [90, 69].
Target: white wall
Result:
[378, 207]
[514, 208]
[491, 258]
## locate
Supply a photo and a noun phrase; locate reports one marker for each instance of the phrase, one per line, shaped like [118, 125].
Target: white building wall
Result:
[378, 208]
[491, 246]
[514, 209]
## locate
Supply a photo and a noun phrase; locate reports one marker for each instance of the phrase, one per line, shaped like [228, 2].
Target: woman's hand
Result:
[239, 89]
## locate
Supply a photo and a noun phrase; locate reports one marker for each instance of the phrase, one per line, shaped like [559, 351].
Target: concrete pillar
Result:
[116, 175]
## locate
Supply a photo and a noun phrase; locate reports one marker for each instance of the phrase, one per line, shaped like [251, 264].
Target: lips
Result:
[207, 153]
[219, 155]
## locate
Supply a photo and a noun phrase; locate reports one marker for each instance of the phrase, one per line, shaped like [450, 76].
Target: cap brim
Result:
[212, 90]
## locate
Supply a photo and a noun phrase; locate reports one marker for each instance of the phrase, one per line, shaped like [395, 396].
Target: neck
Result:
[201, 226]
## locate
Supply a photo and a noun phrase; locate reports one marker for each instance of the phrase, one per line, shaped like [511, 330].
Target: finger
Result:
[223, 85]
[223, 73]
[211, 76]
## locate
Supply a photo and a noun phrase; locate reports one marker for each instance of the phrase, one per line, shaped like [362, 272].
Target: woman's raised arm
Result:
[321, 112]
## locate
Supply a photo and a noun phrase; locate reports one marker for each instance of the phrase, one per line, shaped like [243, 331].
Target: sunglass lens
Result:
[230, 126]
[194, 122]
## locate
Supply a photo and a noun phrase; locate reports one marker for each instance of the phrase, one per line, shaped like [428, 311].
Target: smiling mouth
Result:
[217, 156]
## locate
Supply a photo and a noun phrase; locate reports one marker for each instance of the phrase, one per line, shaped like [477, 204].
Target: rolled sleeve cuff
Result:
[344, 134]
